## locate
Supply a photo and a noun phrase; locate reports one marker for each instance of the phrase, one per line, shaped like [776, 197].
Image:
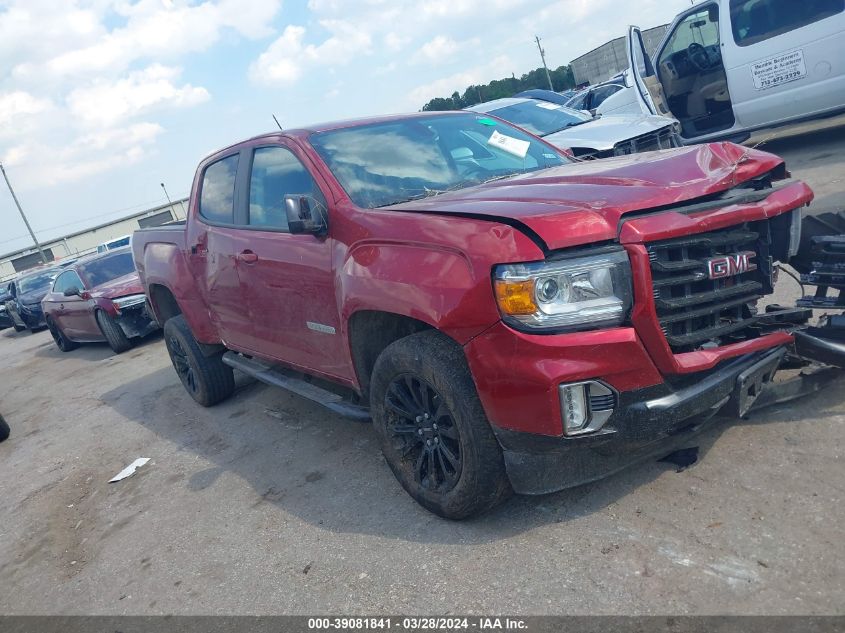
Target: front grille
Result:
[695, 311]
[660, 139]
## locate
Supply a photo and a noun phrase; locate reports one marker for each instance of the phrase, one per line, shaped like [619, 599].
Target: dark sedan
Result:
[97, 299]
[27, 291]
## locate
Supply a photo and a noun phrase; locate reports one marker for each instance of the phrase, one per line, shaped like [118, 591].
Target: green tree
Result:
[562, 79]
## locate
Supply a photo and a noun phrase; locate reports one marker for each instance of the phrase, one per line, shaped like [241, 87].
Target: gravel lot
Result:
[269, 504]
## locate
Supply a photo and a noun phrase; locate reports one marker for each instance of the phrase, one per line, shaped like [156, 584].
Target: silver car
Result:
[581, 133]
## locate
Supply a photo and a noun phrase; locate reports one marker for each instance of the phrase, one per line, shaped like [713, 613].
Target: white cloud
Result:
[105, 103]
[285, 60]
[439, 49]
[39, 164]
[458, 81]
[154, 30]
[281, 62]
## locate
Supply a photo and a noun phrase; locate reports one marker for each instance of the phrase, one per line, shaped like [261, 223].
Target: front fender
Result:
[434, 284]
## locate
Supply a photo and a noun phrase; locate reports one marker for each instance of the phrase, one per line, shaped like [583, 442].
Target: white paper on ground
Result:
[509, 144]
[130, 469]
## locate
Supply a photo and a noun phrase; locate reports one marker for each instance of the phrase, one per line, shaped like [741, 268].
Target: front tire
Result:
[433, 430]
[115, 336]
[19, 328]
[62, 341]
[4, 429]
[206, 378]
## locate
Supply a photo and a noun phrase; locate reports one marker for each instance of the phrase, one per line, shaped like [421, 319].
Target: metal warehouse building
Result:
[610, 59]
[84, 242]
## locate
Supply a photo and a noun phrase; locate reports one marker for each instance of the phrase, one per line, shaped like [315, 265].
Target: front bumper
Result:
[647, 422]
[32, 316]
[136, 321]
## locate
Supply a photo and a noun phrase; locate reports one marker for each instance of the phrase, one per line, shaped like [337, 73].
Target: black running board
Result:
[279, 378]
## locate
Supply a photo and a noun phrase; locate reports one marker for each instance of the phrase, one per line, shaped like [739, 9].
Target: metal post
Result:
[25, 221]
[543, 57]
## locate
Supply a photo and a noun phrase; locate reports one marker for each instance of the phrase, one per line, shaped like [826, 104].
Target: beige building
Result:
[84, 242]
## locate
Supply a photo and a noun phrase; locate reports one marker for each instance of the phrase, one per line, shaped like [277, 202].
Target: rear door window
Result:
[755, 21]
[217, 198]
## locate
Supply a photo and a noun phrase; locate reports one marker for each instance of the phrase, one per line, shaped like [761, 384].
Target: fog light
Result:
[585, 406]
[573, 405]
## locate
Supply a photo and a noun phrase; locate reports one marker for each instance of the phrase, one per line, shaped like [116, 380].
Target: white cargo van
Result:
[728, 67]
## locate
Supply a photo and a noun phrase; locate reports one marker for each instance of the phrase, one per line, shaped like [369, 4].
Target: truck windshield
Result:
[381, 164]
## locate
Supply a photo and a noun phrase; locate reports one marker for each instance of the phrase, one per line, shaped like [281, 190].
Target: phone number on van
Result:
[775, 71]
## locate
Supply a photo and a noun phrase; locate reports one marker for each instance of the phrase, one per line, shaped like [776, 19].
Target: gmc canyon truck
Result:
[511, 320]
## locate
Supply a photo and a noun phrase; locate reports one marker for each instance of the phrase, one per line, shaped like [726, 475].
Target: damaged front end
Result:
[133, 315]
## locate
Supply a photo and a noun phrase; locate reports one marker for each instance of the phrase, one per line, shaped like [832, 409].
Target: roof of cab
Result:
[307, 130]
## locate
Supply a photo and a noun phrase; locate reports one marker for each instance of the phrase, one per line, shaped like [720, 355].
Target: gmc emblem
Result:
[730, 265]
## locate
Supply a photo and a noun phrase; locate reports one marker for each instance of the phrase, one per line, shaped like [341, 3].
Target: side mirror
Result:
[73, 291]
[305, 214]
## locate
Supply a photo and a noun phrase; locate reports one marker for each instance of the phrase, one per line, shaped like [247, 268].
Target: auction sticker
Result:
[778, 70]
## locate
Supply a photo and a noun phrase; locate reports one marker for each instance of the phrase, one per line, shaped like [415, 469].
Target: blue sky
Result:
[102, 100]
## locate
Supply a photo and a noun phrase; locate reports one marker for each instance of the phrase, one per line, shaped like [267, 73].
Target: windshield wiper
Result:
[565, 127]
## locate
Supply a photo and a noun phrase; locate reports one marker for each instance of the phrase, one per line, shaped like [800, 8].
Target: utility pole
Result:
[25, 221]
[543, 57]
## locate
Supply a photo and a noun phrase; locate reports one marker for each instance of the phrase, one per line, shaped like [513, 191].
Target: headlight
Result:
[129, 301]
[569, 294]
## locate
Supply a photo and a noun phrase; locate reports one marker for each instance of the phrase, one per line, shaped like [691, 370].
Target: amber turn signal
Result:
[516, 297]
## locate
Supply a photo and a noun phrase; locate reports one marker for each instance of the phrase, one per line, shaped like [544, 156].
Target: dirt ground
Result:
[269, 504]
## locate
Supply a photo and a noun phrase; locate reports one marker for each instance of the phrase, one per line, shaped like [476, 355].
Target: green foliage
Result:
[562, 79]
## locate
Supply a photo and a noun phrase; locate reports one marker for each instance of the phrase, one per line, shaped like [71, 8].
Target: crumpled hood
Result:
[603, 133]
[582, 203]
[122, 286]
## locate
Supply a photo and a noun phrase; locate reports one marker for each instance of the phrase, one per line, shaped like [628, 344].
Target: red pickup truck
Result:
[511, 320]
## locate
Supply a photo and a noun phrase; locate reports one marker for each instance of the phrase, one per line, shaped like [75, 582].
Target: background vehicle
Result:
[728, 67]
[610, 97]
[111, 245]
[27, 291]
[559, 98]
[6, 320]
[99, 298]
[585, 136]
[509, 321]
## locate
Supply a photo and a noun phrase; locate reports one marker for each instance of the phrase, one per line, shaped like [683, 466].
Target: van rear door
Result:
[784, 58]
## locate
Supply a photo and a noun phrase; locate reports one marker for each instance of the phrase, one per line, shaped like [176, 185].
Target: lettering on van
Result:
[781, 69]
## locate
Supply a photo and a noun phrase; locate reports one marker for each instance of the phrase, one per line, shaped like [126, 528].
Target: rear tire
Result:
[206, 378]
[433, 430]
[19, 328]
[115, 336]
[62, 341]
[4, 429]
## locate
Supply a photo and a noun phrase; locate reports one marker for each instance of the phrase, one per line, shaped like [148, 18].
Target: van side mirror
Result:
[305, 214]
[73, 291]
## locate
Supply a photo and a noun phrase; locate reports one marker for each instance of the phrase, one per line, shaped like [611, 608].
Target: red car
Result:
[99, 298]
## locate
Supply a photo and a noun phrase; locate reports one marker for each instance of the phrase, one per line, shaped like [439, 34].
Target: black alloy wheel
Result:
[422, 429]
[182, 366]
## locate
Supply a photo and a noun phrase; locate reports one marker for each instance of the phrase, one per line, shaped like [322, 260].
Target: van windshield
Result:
[381, 164]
